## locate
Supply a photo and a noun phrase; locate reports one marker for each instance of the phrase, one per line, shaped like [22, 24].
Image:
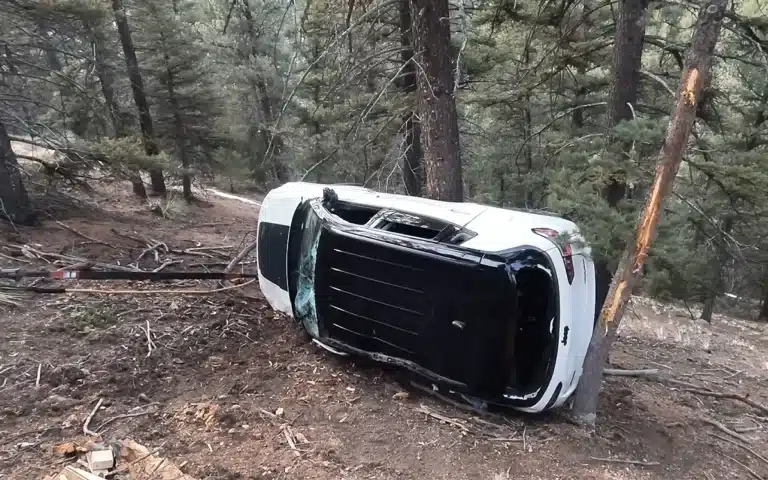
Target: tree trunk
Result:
[279, 168]
[107, 82]
[14, 201]
[431, 35]
[716, 266]
[764, 308]
[695, 75]
[627, 60]
[273, 142]
[527, 130]
[52, 59]
[139, 96]
[178, 130]
[413, 174]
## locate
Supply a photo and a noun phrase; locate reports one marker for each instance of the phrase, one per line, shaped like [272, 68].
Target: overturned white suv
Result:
[493, 304]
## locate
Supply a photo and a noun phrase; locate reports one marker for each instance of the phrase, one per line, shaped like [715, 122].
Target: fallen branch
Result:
[150, 344]
[152, 248]
[167, 263]
[39, 370]
[741, 445]
[732, 396]
[751, 472]
[81, 234]
[157, 292]
[243, 253]
[86, 431]
[125, 415]
[702, 390]
[725, 429]
[626, 462]
[426, 410]
[617, 372]
[26, 250]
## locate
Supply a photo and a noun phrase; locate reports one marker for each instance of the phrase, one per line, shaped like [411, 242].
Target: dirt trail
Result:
[351, 419]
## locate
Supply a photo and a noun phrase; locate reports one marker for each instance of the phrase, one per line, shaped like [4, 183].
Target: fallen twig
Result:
[150, 344]
[630, 373]
[215, 247]
[166, 263]
[125, 415]
[156, 292]
[741, 445]
[289, 437]
[26, 250]
[627, 462]
[150, 249]
[81, 234]
[725, 429]
[86, 431]
[732, 396]
[751, 472]
[243, 253]
[39, 370]
[426, 410]
[705, 391]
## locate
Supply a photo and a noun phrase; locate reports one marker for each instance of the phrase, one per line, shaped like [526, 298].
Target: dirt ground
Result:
[226, 382]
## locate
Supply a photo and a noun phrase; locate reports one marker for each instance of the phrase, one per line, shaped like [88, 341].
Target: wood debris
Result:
[205, 412]
[142, 464]
[73, 473]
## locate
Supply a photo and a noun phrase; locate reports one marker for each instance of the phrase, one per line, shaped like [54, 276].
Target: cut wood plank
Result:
[72, 473]
[143, 465]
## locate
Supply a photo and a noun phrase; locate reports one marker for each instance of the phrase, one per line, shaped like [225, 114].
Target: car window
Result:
[353, 213]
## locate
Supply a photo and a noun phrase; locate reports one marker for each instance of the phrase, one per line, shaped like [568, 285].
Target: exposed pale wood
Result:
[86, 430]
[695, 77]
[143, 464]
[72, 473]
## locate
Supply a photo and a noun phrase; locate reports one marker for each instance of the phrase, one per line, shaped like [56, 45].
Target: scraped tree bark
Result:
[627, 60]
[695, 76]
[431, 33]
[139, 96]
[14, 201]
[413, 173]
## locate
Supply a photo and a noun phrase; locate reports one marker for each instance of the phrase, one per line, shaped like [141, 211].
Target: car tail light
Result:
[563, 246]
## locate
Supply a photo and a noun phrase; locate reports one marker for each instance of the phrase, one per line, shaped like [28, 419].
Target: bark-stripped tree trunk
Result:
[627, 60]
[695, 75]
[14, 201]
[413, 174]
[431, 33]
[139, 96]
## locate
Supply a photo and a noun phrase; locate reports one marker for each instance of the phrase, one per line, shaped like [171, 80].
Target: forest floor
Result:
[228, 381]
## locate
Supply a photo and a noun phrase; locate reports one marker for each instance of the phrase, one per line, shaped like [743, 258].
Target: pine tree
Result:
[696, 75]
